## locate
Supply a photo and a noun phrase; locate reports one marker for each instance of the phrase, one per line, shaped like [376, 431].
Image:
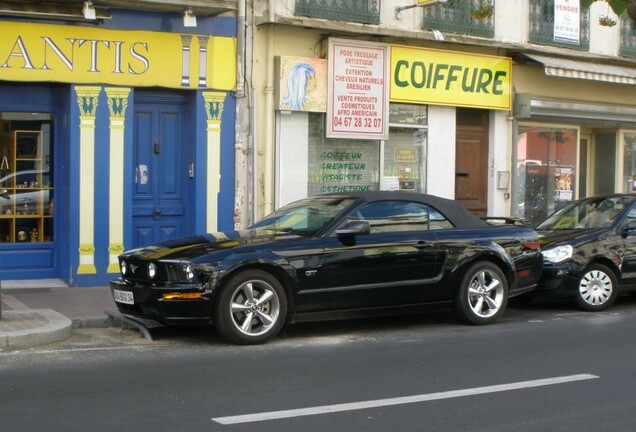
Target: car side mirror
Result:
[630, 229]
[353, 228]
[4, 194]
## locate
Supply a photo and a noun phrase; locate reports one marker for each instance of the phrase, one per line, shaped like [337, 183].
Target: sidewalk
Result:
[44, 311]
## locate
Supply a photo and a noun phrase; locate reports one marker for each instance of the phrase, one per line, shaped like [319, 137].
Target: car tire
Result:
[597, 289]
[250, 308]
[483, 294]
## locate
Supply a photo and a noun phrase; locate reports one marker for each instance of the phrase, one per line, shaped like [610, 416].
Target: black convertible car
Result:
[332, 256]
[589, 249]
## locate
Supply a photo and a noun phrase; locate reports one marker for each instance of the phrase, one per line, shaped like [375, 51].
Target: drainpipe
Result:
[241, 152]
[514, 200]
[269, 114]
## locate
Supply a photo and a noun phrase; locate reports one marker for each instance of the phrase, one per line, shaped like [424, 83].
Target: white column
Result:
[117, 99]
[214, 102]
[87, 98]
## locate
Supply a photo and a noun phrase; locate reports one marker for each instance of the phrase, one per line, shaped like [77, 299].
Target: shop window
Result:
[546, 170]
[337, 165]
[26, 180]
[405, 151]
[629, 161]
[604, 163]
[309, 163]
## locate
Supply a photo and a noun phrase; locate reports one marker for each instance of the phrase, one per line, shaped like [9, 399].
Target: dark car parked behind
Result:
[332, 256]
[589, 249]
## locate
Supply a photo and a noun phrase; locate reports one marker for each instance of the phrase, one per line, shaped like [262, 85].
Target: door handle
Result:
[158, 211]
[423, 244]
[157, 148]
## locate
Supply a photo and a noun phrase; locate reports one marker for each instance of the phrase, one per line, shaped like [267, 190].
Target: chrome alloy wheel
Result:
[485, 293]
[255, 307]
[596, 288]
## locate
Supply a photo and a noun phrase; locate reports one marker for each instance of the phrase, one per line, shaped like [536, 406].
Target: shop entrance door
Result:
[160, 164]
[471, 160]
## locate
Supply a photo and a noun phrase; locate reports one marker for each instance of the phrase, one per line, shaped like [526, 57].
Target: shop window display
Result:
[26, 186]
[405, 151]
[337, 165]
[404, 156]
[546, 170]
[312, 164]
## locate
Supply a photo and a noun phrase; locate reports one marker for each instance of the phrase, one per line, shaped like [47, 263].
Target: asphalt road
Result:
[546, 367]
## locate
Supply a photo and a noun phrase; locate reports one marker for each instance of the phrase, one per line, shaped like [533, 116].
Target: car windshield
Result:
[590, 213]
[305, 217]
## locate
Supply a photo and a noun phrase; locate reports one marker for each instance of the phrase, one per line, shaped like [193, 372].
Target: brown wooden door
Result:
[471, 160]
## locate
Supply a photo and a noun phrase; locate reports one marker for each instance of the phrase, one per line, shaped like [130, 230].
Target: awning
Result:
[566, 68]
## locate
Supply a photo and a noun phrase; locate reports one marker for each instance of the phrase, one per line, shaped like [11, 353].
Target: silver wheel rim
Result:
[255, 307]
[596, 288]
[485, 294]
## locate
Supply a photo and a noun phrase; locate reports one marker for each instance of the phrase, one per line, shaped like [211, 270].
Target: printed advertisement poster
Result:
[563, 186]
[358, 103]
[567, 21]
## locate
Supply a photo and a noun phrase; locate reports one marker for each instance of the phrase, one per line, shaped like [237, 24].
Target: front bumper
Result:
[560, 279]
[149, 303]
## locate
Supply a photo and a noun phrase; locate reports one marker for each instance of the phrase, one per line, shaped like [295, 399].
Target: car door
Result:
[628, 267]
[392, 265]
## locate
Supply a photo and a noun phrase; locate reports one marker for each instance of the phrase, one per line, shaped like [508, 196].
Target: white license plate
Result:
[124, 297]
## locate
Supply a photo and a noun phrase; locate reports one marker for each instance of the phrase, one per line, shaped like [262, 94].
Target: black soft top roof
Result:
[454, 211]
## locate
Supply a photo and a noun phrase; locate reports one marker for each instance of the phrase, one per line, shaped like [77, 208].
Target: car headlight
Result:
[123, 267]
[188, 270]
[152, 270]
[558, 254]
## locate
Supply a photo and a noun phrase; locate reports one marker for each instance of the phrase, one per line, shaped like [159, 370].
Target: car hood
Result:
[191, 247]
[549, 238]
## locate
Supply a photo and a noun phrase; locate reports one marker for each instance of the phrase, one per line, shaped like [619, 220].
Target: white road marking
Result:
[327, 409]
[72, 350]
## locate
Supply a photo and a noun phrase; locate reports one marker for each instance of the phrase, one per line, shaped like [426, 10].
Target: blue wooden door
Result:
[160, 164]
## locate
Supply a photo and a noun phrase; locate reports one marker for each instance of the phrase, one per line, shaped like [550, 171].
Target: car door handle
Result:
[423, 244]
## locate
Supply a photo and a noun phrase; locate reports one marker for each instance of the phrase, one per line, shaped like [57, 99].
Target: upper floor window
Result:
[628, 36]
[360, 11]
[553, 22]
[478, 19]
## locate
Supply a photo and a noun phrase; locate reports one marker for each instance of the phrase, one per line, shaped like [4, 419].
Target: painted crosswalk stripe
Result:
[327, 409]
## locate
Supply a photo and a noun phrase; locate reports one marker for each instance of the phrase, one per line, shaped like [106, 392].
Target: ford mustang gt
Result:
[329, 257]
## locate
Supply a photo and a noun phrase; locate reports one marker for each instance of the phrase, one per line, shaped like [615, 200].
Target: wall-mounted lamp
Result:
[76, 11]
[420, 3]
[438, 35]
[189, 18]
[89, 11]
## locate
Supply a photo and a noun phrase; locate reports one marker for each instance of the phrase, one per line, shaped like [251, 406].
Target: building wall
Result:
[278, 31]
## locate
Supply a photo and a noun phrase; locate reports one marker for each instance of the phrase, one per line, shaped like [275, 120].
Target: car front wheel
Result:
[482, 295]
[598, 288]
[250, 308]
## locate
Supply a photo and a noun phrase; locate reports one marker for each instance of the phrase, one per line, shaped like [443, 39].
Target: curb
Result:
[92, 322]
[34, 327]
